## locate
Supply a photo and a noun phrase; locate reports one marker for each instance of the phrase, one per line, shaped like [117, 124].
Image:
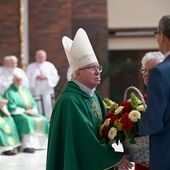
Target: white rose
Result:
[140, 108]
[134, 115]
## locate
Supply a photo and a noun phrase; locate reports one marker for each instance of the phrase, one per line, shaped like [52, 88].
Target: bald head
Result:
[40, 56]
[7, 61]
[11, 61]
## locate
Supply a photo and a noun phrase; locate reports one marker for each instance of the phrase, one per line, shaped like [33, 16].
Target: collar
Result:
[85, 88]
[166, 54]
[19, 88]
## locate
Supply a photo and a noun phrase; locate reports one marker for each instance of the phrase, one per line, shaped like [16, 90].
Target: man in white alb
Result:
[43, 77]
[9, 68]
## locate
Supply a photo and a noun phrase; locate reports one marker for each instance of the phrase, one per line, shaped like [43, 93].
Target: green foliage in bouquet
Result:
[109, 104]
[121, 121]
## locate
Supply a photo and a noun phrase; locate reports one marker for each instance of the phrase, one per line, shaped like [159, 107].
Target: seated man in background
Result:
[32, 126]
[9, 139]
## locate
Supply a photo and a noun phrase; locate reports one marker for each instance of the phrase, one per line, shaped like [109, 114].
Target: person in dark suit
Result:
[73, 138]
[149, 60]
[156, 121]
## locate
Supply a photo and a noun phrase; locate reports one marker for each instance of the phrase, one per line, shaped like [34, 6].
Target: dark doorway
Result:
[124, 71]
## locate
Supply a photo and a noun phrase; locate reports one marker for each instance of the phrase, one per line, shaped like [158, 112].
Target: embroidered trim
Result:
[95, 108]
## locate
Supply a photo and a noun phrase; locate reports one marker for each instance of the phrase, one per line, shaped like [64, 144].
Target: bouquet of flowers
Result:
[121, 122]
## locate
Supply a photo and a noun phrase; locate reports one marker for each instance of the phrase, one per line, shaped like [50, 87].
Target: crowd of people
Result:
[78, 147]
[23, 127]
[73, 141]
[155, 121]
[72, 136]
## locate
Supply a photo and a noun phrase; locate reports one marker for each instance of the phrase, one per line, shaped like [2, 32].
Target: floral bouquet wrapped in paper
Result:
[121, 124]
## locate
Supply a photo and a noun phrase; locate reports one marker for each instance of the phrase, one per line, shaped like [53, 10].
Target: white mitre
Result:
[79, 52]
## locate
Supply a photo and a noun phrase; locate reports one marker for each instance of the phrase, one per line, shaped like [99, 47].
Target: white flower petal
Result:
[107, 122]
[134, 115]
[112, 133]
[118, 110]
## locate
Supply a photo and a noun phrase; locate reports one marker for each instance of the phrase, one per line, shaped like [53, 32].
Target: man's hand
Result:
[41, 77]
[3, 102]
[125, 164]
[30, 112]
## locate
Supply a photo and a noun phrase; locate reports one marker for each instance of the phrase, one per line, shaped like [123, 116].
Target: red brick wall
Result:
[92, 16]
[9, 29]
[49, 21]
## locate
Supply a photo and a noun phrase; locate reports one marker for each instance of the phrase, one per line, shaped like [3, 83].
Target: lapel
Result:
[167, 58]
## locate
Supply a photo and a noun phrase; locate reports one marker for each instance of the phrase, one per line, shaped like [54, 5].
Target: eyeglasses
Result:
[93, 68]
[144, 70]
[156, 33]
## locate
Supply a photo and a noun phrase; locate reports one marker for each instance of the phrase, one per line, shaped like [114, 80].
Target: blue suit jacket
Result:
[156, 121]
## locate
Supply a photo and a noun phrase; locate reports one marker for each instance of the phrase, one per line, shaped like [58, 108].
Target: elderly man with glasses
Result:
[78, 112]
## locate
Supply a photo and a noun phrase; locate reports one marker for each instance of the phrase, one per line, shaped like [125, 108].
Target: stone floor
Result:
[24, 161]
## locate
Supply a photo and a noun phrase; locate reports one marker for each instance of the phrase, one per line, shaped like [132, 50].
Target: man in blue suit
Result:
[156, 121]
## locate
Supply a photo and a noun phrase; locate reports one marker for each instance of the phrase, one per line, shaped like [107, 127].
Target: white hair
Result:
[13, 58]
[17, 75]
[7, 58]
[156, 56]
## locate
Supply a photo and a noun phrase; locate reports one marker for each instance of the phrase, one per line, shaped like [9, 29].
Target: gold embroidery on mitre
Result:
[11, 141]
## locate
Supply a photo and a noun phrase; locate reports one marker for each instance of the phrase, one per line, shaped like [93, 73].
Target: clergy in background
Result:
[9, 139]
[10, 67]
[43, 77]
[32, 126]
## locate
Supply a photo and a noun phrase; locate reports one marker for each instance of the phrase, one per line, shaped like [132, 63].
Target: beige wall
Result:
[136, 13]
[135, 43]
[130, 14]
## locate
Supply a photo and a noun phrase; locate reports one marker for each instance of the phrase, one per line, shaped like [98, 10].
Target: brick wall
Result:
[49, 21]
[9, 29]
[92, 16]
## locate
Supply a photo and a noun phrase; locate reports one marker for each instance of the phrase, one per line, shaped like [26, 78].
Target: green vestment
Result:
[8, 131]
[73, 139]
[37, 124]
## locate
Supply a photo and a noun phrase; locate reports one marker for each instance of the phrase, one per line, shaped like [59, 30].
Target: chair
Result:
[53, 98]
[40, 103]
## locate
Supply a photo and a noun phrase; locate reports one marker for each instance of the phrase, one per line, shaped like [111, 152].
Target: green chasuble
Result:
[8, 131]
[73, 138]
[37, 124]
